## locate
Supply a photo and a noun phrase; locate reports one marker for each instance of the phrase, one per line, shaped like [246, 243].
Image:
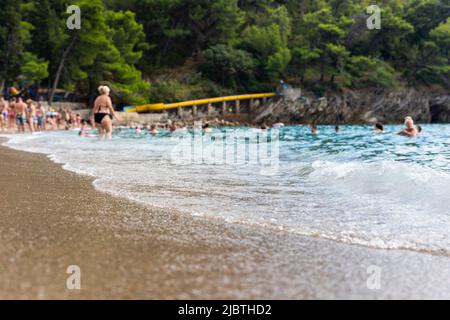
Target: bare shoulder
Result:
[97, 100]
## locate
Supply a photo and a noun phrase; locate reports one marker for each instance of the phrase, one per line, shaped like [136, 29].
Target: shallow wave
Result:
[405, 183]
[379, 192]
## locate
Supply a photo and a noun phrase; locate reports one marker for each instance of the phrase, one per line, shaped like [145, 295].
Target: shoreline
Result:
[128, 251]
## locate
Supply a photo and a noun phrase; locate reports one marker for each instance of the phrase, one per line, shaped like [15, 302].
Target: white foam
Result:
[384, 204]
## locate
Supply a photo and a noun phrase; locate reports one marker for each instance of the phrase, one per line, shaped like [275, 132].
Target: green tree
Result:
[12, 39]
[441, 62]
[117, 65]
[33, 68]
[232, 68]
[268, 42]
[178, 29]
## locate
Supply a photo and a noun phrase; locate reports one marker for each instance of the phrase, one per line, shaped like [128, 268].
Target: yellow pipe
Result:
[162, 106]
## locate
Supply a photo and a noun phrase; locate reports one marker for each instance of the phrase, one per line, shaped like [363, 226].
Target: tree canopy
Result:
[172, 49]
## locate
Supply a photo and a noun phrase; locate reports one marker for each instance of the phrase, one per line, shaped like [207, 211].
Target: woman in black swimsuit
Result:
[103, 113]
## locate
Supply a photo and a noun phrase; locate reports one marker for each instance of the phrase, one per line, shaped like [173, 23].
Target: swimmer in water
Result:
[314, 129]
[85, 127]
[173, 127]
[278, 125]
[379, 128]
[153, 130]
[337, 128]
[410, 130]
[207, 129]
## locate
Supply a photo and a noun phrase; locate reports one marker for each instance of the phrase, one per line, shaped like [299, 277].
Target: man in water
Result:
[207, 129]
[410, 130]
[278, 125]
[173, 127]
[21, 111]
[153, 129]
[379, 128]
[419, 128]
[314, 129]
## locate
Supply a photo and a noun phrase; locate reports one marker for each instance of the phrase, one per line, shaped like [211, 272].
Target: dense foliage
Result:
[179, 49]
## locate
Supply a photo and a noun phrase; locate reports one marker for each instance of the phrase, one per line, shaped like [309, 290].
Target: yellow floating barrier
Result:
[162, 106]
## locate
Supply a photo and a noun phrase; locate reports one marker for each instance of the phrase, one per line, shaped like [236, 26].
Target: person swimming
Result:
[313, 128]
[410, 130]
[419, 128]
[85, 127]
[278, 125]
[379, 128]
[207, 129]
[153, 129]
[173, 126]
[337, 128]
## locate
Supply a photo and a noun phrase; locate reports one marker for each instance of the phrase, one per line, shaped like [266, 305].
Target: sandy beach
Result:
[51, 218]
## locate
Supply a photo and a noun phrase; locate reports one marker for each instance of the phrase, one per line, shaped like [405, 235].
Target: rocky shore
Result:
[301, 107]
[358, 107]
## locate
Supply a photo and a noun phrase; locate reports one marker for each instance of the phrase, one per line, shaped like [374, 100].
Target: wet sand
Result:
[51, 219]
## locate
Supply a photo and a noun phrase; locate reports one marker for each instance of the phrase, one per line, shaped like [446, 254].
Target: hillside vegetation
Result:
[171, 50]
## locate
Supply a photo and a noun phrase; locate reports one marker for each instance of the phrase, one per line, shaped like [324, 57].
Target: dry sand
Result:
[51, 219]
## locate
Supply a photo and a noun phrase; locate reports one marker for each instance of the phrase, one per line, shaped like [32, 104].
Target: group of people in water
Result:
[410, 130]
[17, 115]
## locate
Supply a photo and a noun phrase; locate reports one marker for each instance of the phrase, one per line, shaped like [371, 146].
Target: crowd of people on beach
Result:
[17, 115]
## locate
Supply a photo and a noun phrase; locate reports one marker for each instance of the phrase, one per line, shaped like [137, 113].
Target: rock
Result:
[360, 107]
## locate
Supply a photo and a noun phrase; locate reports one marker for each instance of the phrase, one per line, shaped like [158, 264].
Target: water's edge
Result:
[347, 239]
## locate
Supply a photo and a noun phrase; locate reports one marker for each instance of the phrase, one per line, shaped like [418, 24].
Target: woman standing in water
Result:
[103, 113]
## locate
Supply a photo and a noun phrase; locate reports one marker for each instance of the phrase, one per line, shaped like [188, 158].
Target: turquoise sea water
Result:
[381, 191]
